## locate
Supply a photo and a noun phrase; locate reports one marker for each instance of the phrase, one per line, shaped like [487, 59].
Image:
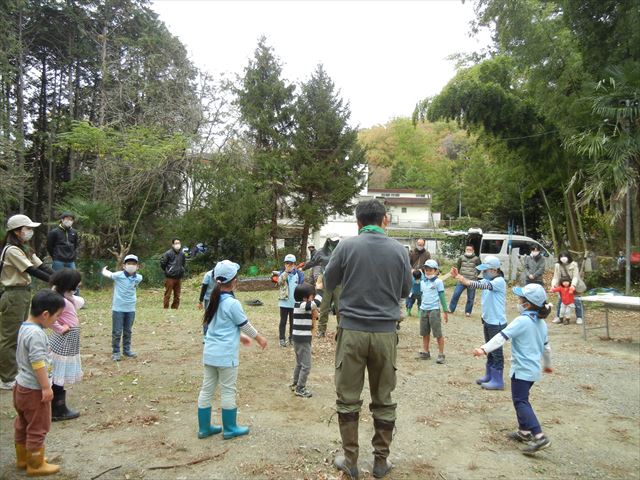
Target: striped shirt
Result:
[302, 319]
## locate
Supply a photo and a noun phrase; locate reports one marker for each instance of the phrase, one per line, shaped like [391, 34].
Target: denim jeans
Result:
[471, 296]
[121, 324]
[527, 420]
[495, 359]
[576, 301]
[59, 265]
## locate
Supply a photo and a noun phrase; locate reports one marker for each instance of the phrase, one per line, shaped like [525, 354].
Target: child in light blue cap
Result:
[494, 315]
[227, 326]
[530, 345]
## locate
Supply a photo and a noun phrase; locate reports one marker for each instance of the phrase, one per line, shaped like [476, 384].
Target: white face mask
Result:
[564, 259]
[67, 223]
[177, 247]
[430, 277]
[130, 269]
[26, 234]
[521, 308]
[535, 254]
[419, 248]
[468, 254]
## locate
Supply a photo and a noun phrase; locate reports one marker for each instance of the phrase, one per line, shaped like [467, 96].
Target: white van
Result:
[503, 246]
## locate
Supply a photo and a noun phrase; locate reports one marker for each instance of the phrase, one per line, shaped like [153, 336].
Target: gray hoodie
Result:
[375, 274]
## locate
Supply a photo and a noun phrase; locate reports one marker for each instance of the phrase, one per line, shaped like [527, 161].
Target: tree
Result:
[265, 102]
[327, 162]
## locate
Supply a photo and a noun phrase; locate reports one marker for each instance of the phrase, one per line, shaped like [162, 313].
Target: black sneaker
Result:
[283, 342]
[536, 445]
[303, 392]
[424, 355]
[518, 436]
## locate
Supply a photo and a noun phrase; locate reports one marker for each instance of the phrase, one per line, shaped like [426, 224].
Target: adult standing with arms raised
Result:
[173, 264]
[419, 255]
[374, 272]
[62, 243]
[19, 264]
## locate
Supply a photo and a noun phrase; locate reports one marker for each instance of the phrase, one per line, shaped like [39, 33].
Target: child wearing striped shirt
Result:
[305, 316]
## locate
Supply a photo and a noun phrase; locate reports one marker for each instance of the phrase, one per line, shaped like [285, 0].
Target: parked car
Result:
[502, 245]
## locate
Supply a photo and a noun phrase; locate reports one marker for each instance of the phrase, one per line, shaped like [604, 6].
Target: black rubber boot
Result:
[381, 441]
[348, 463]
[59, 410]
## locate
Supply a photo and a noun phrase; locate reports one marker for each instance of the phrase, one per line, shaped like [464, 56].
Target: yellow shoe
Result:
[21, 456]
[37, 465]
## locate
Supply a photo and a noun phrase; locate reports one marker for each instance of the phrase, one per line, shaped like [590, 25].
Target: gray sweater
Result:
[375, 274]
[33, 346]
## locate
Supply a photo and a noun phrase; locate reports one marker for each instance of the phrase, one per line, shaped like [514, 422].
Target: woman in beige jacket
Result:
[566, 269]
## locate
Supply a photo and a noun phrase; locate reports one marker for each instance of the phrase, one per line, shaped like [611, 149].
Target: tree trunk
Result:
[551, 224]
[19, 132]
[303, 244]
[581, 234]
[524, 218]
[606, 224]
[572, 236]
[274, 226]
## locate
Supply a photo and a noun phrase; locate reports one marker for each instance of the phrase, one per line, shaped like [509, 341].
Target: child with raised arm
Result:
[32, 393]
[415, 297]
[494, 316]
[65, 342]
[124, 305]
[305, 317]
[227, 326]
[433, 298]
[530, 345]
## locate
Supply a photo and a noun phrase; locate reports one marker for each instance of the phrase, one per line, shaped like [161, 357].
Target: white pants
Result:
[567, 311]
[226, 377]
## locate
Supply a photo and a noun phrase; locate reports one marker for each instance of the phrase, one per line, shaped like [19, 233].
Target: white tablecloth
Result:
[615, 301]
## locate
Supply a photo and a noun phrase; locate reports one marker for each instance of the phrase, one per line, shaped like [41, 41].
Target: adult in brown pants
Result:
[173, 264]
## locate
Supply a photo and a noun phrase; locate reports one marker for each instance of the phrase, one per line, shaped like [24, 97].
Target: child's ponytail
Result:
[212, 308]
[543, 311]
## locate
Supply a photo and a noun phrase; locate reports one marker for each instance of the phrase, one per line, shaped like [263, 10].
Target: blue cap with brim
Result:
[225, 271]
[533, 293]
[490, 262]
[431, 264]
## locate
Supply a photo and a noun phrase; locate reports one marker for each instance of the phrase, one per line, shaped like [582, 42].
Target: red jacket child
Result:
[566, 293]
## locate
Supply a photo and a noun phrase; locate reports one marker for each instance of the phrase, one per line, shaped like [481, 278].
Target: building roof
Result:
[396, 190]
[407, 201]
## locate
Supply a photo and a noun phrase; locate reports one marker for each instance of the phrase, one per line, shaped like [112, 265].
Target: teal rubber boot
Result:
[230, 427]
[487, 375]
[205, 429]
[496, 382]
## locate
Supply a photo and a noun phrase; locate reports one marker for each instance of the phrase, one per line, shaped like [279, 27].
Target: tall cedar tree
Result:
[326, 158]
[265, 101]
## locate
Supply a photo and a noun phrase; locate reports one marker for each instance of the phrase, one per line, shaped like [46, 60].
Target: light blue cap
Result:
[131, 258]
[489, 262]
[225, 271]
[431, 264]
[533, 293]
[290, 258]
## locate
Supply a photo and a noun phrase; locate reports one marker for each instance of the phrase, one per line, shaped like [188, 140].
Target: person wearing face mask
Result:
[419, 255]
[494, 316]
[18, 263]
[566, 269]
[530, 344]
[173, 264]
[432, 290]
[466, 265]
[62, 243]
[123, 307]
[534, 267]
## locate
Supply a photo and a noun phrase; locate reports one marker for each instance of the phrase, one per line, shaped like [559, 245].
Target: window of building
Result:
[404, 210]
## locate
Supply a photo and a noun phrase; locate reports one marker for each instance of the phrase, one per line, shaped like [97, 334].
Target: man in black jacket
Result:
[62, 243]
[173, 265]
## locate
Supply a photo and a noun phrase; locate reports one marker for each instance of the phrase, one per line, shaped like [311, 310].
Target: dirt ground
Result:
[138, 415]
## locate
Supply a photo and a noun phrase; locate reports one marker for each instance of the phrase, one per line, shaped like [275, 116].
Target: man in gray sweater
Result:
[374, 272]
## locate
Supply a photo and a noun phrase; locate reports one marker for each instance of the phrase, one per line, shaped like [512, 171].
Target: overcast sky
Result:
[384, 56]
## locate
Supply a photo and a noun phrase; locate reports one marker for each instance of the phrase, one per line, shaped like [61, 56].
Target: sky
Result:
[383, 56]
